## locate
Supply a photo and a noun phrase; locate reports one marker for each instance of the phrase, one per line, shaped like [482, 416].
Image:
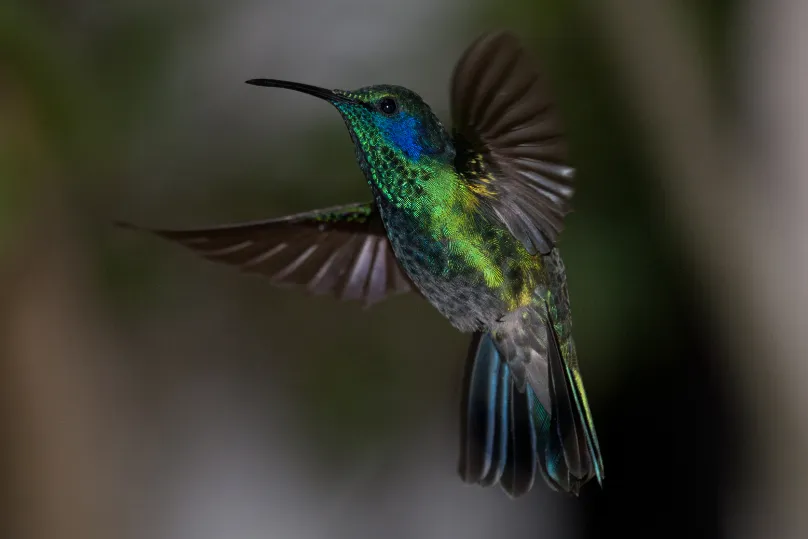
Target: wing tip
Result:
[163, 233]
[125, 225]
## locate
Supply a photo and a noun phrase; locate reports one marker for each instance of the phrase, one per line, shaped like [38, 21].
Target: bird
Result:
[469, 219]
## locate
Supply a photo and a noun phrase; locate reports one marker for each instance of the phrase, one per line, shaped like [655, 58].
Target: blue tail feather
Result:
[501, 431]
[505, 432]
[507, 435]
[479, 407]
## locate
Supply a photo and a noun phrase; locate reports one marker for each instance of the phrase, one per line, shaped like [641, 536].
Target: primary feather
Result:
[341, 251]
[509, 137]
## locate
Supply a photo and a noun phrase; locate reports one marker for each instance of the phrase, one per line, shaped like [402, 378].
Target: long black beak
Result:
[316, 91]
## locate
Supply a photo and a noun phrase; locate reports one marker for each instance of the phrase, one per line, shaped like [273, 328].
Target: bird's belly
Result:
[458, 292]
[466, 304]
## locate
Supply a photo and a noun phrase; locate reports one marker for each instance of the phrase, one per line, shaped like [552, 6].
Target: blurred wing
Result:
[342, 251]
[509, 140]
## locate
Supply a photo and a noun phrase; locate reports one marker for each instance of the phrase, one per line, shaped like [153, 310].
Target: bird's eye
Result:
[388, 105]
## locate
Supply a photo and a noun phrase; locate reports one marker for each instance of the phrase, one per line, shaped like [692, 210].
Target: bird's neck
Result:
[417, 187]
[400, 174]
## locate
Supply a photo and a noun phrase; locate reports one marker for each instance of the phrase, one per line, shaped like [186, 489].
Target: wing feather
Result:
[342, 251]
[508, 135]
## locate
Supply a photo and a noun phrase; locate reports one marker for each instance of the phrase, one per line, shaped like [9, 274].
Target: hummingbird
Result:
[468, 219]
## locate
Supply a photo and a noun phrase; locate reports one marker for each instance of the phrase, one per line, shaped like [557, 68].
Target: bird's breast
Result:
[472, 273]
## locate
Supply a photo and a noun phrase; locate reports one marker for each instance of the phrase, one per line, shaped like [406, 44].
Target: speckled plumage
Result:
[469, 219]
[470, 268]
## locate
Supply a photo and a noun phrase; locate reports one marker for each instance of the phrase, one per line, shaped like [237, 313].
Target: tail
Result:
[527, 413]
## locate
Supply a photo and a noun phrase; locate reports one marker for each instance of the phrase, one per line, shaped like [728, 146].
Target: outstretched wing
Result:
[342, 251]
[509, 140]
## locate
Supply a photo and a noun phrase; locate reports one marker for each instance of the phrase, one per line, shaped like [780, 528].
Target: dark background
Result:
[149, 394]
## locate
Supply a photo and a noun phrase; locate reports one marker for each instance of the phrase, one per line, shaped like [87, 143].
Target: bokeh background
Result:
[146, 393]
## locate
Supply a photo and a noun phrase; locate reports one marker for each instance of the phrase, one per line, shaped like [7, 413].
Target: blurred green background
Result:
[150, 394]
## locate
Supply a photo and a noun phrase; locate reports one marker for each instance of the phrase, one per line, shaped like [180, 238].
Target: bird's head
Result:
[391, 126]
